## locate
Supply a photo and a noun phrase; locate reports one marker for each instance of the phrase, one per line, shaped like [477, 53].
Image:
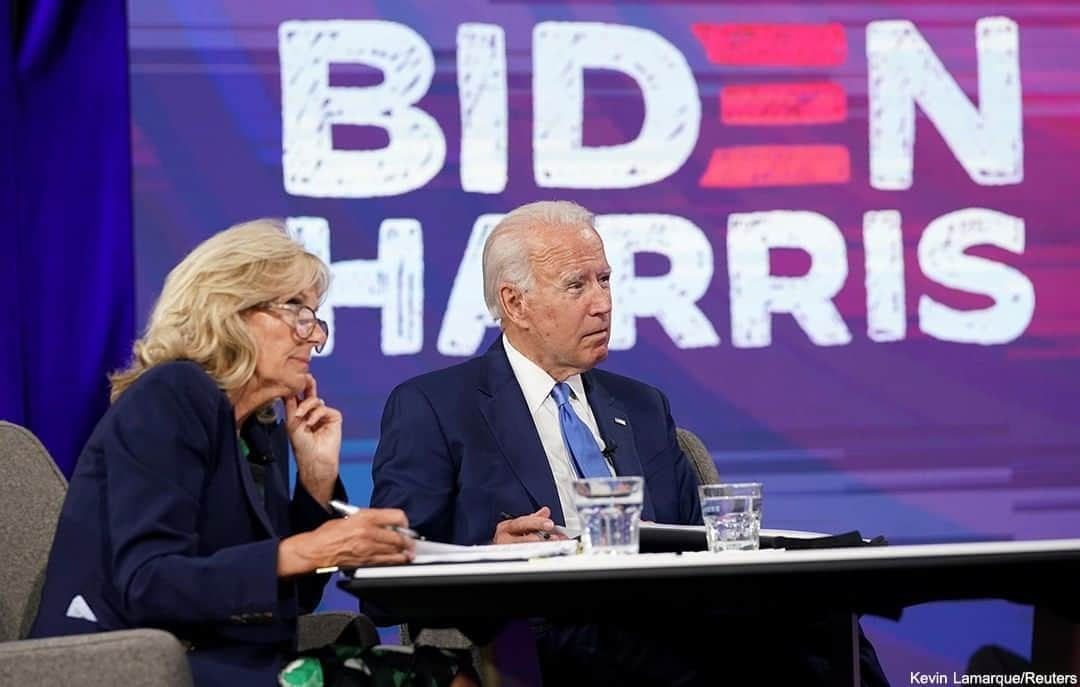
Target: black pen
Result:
[543, 534]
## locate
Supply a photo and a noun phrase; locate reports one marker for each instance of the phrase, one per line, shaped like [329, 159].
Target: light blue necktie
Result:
[577, 437]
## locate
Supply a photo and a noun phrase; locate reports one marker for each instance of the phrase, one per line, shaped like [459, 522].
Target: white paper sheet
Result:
[435, 552]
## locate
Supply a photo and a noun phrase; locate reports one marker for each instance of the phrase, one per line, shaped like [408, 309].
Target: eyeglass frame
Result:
[296, 309]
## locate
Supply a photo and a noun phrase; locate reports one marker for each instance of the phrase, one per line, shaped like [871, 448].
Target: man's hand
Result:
[527, 528]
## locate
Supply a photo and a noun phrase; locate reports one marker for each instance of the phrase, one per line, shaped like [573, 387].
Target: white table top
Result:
[761, 560]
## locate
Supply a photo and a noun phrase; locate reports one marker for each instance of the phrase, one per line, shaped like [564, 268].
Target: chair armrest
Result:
[453, 639]
[126, 657]
[442, 638]
[319, 629]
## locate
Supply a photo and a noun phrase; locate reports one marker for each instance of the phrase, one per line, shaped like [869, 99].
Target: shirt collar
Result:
[535, 383]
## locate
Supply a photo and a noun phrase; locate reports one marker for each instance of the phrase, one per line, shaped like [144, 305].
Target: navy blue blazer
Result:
[164, 526]
[458, 446]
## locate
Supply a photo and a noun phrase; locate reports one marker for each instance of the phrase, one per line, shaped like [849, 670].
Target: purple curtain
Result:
[67, 301]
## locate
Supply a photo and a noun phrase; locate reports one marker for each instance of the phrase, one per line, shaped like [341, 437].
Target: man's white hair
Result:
[506, 251]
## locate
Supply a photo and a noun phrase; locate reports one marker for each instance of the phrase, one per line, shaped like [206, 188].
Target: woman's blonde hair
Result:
[198, 315]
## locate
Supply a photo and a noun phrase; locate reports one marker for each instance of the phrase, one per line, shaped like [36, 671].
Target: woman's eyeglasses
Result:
[304, 321]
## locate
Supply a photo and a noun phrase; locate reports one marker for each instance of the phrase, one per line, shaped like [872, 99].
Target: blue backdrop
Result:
[67, 269]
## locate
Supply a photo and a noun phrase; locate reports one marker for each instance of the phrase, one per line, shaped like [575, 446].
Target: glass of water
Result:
[732, 514]
[610, 513]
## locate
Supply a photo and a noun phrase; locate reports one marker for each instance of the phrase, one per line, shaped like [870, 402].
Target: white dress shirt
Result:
[536, 385]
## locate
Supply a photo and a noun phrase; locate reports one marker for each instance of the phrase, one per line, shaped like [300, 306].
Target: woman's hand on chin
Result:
[314, 430]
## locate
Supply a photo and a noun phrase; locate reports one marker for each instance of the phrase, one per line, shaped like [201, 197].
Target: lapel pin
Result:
[620, 421]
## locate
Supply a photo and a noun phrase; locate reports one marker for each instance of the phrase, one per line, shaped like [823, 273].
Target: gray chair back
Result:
[147, 658]
[699, 456]
[31, 493]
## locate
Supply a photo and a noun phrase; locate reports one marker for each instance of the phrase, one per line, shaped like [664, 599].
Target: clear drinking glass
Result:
[610, 513]
[732, 514]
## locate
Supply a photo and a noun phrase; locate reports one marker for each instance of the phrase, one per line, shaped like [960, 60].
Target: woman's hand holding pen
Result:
[536, 526]
[367, 537]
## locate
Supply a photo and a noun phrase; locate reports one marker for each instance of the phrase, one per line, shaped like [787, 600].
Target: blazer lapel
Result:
[503, 406]
[617, 434]
[259, 447]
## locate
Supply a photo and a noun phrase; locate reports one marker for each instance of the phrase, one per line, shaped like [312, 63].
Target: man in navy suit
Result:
[509, 431]
[461, 446]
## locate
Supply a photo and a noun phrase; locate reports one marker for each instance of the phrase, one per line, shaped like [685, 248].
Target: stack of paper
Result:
[435, 552]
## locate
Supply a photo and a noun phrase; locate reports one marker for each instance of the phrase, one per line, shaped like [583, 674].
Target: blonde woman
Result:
[178, 514]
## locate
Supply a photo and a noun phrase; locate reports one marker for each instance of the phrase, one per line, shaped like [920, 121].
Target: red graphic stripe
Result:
[781, 104]
[778, 165]
[781, 45]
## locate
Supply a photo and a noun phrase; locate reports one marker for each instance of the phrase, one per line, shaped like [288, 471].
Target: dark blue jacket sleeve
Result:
[688, 504]
[305, 514]
[413, 467]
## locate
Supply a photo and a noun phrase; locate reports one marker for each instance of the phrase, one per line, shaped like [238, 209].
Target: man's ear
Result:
[513, 305]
